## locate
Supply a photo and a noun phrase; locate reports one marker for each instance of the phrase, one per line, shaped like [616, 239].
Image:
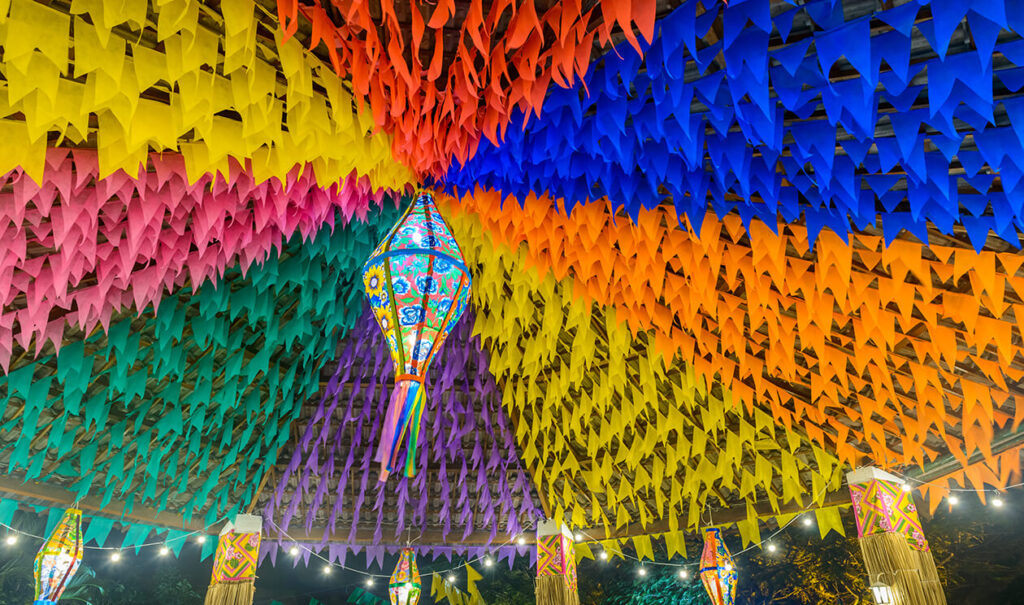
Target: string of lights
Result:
[13, 534]
[804, 516]
[448, 574]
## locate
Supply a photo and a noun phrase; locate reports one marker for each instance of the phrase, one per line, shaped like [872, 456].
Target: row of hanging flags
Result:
[180, 217]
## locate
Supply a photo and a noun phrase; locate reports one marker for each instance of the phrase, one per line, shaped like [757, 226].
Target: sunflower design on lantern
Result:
[374, 280]
[418, 286]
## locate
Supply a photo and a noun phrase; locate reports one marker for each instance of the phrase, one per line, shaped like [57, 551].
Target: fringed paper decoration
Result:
[234, 565]
[556, 565]
[404, 587]
[895, 551]
[717, 571]
[59, 558]
[418, 286]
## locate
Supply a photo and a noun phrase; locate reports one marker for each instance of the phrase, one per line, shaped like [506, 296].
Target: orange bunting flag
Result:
[444, 111]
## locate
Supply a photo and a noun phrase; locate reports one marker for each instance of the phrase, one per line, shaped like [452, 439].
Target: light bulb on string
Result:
[997, 502]
[953, 500]
[488, 562]
[521, 540]
[578, 537]
[115, 557]
[684, 574]
[771, 547]
[451, 579]
[807, 520]
[327, 569]
[294, 551]
[163, 551]
[201, 539]
[906, 487]
[11, 540]
[604, 555]
[369, 581]
[642, 572]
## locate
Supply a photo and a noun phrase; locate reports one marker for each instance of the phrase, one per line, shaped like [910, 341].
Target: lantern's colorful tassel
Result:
[405, 413]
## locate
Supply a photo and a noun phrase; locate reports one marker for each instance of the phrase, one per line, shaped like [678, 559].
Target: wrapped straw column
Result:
[556, 565]
[234, 565]
[901, 570]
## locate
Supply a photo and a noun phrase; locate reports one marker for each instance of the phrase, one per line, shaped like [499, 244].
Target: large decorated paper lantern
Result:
[404, 586]
[717, 571]
[59, 558]
[418, 287]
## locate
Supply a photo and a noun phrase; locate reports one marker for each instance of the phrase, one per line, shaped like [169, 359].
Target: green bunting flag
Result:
[186, 406]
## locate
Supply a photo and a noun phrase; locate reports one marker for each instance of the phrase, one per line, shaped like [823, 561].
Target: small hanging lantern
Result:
[418, 286]
[234, 565]
[404, 586]
[59, 558]
[717, 571]
[882, 593]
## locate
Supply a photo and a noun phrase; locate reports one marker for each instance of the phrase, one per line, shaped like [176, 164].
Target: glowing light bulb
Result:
[997, 502]
[369, 581]
[164, 550]
[521, 540]
[604, 555]
[953, 500]
[294, 551]
[11, 540]
[201, 539]
[808, 521]
[772, 548]
[451, 579]
[488, 562]
[579, 537]
[642, 572]
[115, 557]
[906, 487]
[327, 569]
[684, 574]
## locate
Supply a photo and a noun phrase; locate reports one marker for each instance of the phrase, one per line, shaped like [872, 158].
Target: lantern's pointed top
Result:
[421, 229]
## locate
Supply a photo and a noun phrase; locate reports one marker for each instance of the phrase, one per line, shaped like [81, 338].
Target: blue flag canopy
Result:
[832, 112]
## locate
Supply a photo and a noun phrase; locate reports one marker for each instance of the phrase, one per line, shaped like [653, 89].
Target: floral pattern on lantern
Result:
[404, 586]
[418, 286]
[59, 558]
[717, 571]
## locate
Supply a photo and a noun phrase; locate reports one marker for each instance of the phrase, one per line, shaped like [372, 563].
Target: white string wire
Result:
[686, 566]
[120, 548]
[799, 514]
[465, 563]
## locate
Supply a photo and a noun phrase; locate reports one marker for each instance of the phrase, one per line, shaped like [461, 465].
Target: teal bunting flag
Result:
[186, 406]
